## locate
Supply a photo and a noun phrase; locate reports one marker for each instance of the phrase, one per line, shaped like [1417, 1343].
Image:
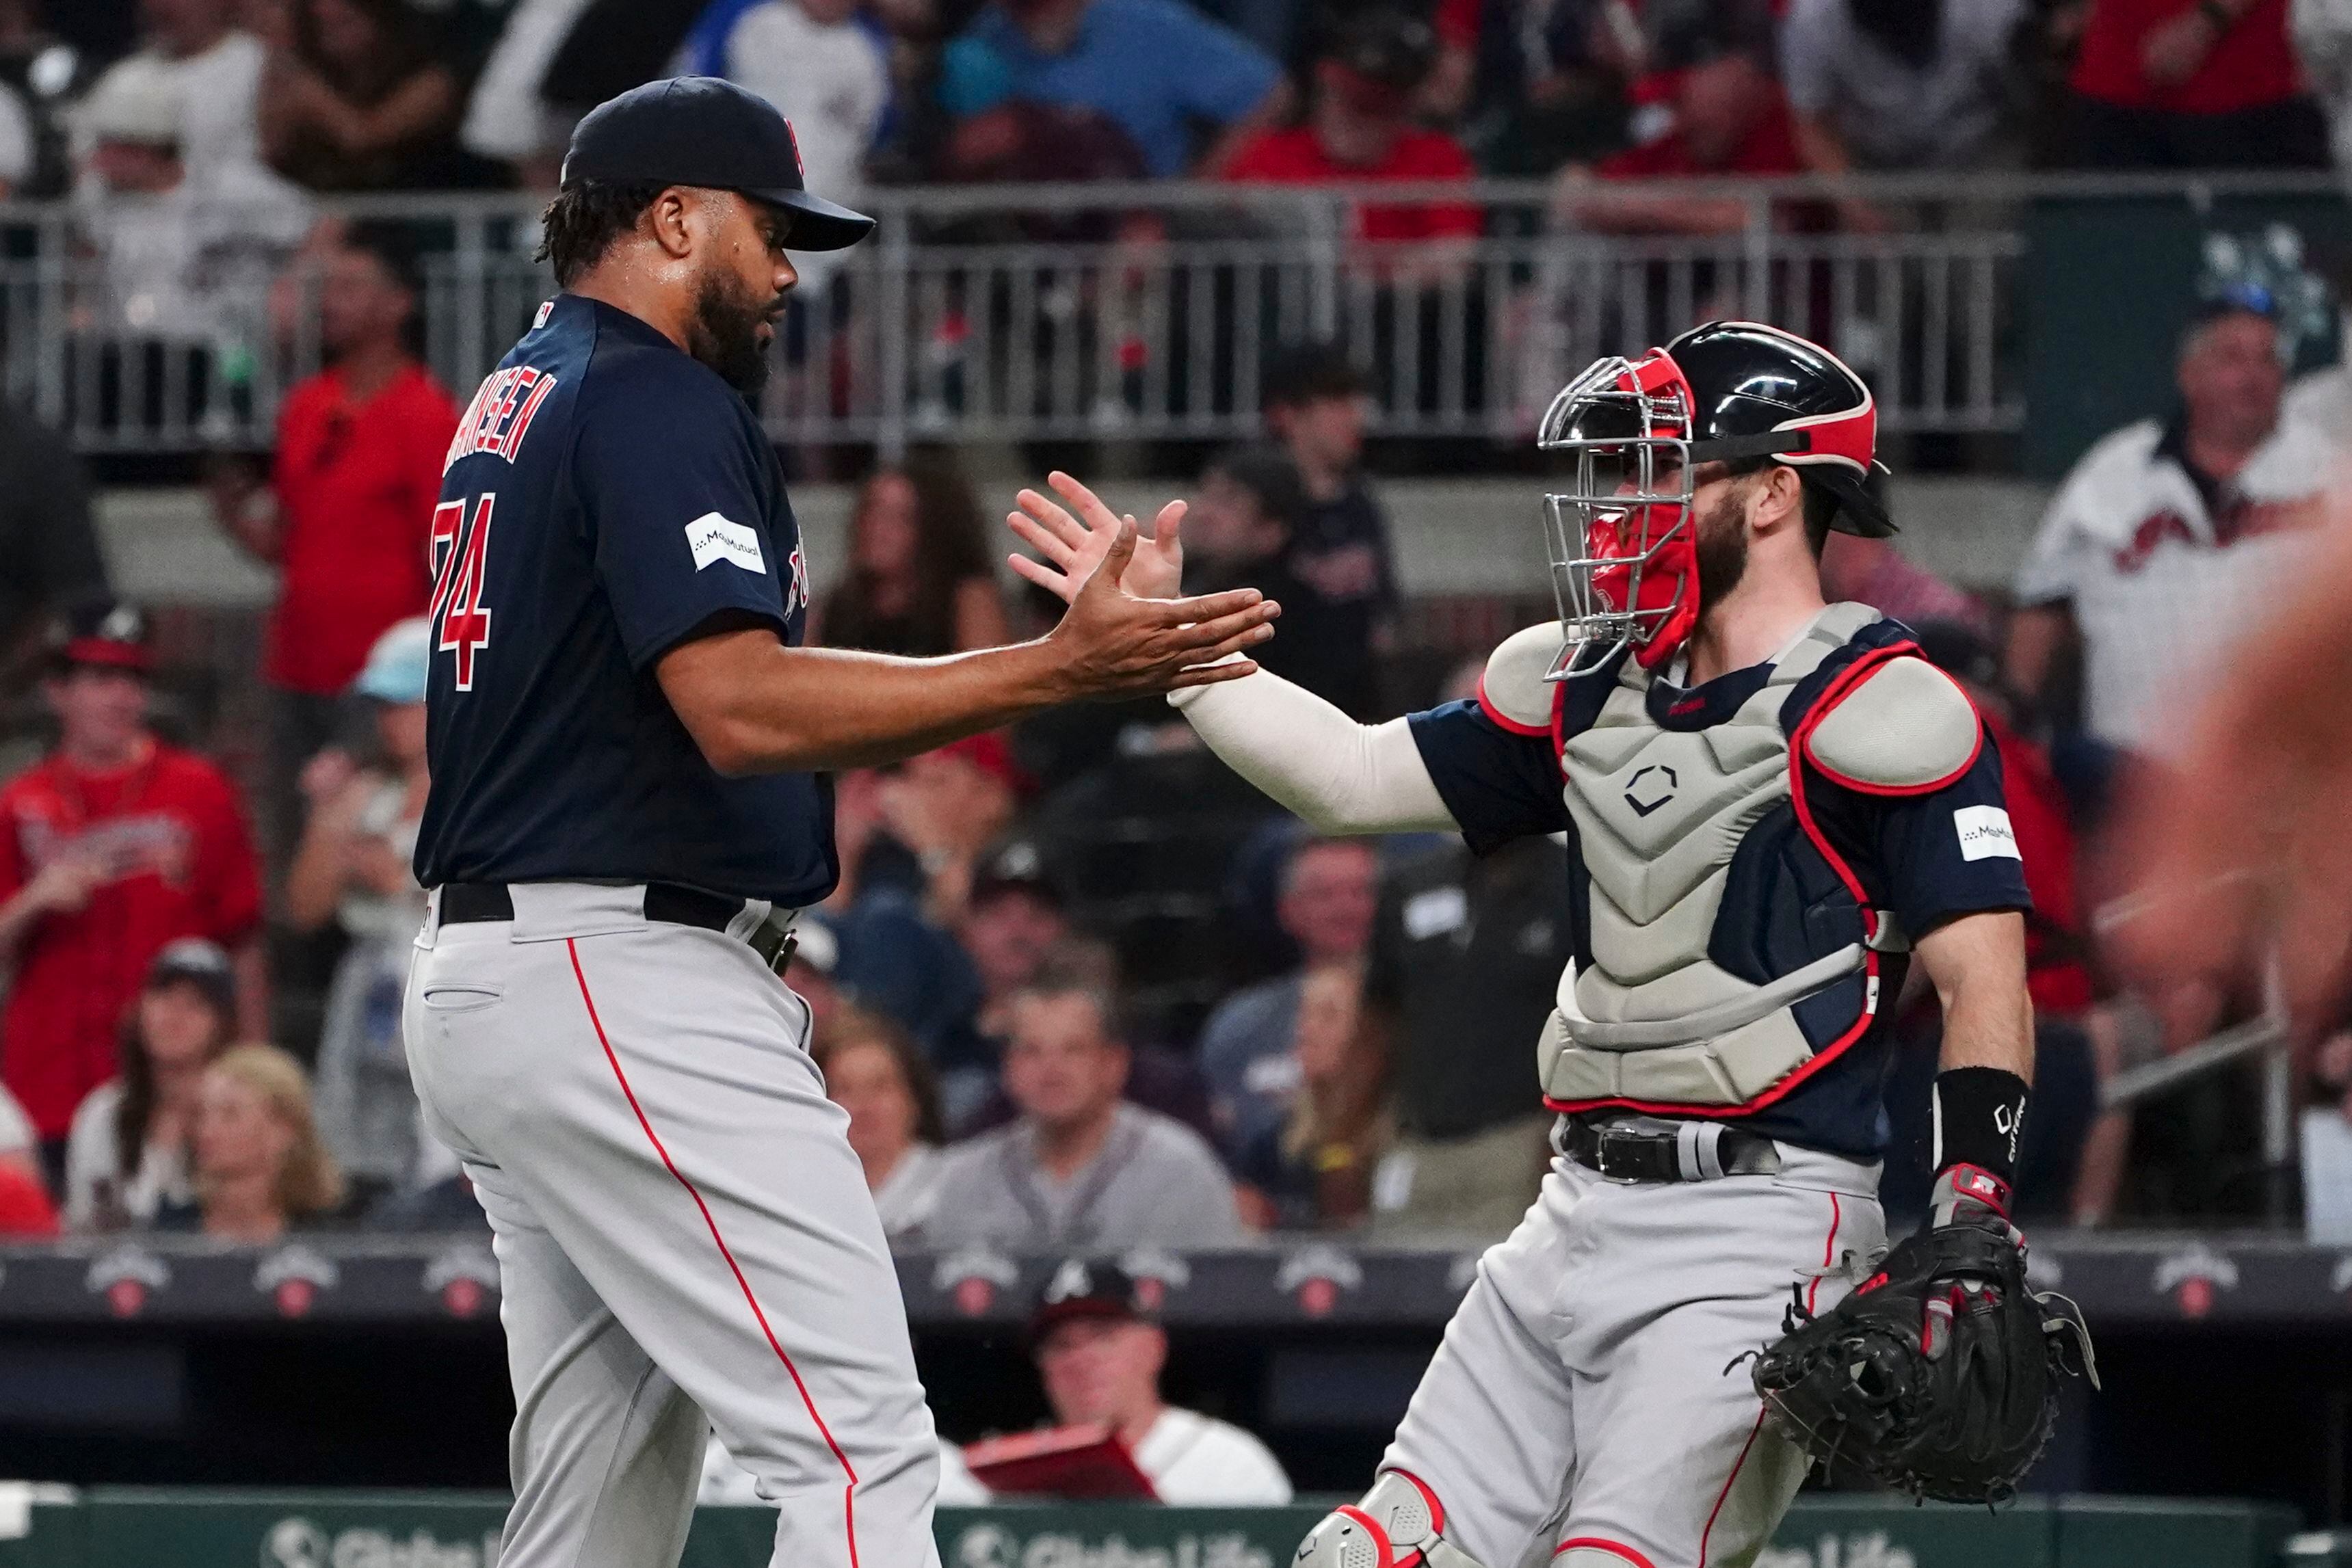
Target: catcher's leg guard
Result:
[1394, 1525]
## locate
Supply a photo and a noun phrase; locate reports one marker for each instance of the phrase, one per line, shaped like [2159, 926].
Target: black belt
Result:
[1643, 1148]
[466, 903]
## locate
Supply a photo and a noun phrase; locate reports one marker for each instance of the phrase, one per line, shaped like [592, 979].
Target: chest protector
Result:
[1649, 1019]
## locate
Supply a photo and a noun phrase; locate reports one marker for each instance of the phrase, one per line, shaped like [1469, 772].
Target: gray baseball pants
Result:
[1582, 1410]
[681, 1231]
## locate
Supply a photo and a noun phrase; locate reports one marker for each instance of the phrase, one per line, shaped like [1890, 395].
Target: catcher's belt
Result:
[1624, 1148]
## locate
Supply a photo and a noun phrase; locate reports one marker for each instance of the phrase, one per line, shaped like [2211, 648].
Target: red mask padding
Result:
[1670, 578]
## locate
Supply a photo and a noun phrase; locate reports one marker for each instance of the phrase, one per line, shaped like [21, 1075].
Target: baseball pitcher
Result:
[628, 810]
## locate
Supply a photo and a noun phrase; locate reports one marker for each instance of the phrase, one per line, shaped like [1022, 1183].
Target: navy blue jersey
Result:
[1909, 854]
[607, 494]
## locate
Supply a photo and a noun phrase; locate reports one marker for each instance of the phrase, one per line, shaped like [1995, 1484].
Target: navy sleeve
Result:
[674, 480]
[1499, 785]
[1946, 854]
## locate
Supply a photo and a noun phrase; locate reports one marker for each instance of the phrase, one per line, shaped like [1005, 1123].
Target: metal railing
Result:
[1111, 312]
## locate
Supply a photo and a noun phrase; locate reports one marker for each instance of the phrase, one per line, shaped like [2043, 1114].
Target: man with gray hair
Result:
[2166, 540]
[1080, 1167]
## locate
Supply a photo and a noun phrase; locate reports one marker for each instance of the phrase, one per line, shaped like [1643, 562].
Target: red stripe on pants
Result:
[848, 1493]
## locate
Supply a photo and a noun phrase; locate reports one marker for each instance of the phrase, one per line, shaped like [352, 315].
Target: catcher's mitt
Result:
[1937, 1376]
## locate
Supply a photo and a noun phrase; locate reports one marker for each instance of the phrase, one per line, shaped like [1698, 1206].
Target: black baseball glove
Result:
[1938, 1376]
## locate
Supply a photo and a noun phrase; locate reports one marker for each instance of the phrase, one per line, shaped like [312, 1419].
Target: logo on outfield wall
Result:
[297, 1543]
[292, 1277]
[126, 1277]
[1872, 1550]
[973, 1277]
[1155, 1275]
[2193, 1275]
[1317, 1276]
[995, 1546]
[462, 1276]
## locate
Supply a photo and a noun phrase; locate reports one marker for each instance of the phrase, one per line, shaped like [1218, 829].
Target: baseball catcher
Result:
[1775, 806]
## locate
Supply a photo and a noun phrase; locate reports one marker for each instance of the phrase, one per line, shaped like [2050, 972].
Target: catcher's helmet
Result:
[1620, 541]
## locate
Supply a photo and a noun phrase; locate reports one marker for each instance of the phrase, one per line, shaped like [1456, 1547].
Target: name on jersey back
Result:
[501, 411]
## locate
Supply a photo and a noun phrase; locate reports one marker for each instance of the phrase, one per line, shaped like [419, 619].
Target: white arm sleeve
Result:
[1339, 775]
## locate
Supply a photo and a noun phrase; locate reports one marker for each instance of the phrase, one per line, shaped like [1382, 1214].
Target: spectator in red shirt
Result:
[110, 847]
[1360, 128]
[2079, 1151]
[2191, 84]
[1731, 118]
[349, 507]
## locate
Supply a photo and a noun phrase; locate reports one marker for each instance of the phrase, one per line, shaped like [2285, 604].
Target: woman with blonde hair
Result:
[1315, 1171]
[261, 1167]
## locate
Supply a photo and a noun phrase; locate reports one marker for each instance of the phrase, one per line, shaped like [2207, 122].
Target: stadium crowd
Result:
[373, 95]
[1078, 984]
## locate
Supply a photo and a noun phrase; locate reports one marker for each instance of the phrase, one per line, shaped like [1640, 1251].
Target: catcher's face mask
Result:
[1621, 537]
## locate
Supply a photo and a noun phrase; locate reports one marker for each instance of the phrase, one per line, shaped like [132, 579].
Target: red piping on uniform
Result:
[1486, 706]
[849, 1492]
[1558, 727]
[1829, 1252]
[1840, 687]
[1722, 1496]
[1843, 690]
[1598, 1545]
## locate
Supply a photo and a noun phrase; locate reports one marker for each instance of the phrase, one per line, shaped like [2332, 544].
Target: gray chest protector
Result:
[1651, 1021]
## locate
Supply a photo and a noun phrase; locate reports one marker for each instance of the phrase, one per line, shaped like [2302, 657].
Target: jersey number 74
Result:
[461, 621]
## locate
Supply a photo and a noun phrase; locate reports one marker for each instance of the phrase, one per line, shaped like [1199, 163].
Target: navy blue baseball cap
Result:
[702, 131]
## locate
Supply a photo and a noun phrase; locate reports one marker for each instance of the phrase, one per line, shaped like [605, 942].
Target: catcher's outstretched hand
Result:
[1073, 544]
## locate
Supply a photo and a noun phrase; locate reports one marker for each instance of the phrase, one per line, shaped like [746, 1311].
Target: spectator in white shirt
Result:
[829, 74]
[2165, 543]
[1898, 84]
[127, 1154]
[218, 69]
[188, 242]
[1099, 1355]
[505, 118]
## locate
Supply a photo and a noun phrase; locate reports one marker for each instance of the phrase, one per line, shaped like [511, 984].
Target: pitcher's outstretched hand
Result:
[1118, 646]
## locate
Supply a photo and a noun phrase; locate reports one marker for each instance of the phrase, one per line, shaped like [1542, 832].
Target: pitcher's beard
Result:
[725, 333]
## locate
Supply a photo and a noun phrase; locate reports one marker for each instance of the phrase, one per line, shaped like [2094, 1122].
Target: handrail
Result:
[2208, 1056]
[962, 200]
[1046, 329]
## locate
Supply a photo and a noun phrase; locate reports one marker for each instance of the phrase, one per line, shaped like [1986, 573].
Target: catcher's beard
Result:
[725, 331]
[1719, 542]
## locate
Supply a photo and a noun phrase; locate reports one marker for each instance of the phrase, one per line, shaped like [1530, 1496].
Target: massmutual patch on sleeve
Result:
[712, 538]
[1985, 832]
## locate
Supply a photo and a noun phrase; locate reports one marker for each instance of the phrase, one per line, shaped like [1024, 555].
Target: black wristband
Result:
[1979, 1111]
